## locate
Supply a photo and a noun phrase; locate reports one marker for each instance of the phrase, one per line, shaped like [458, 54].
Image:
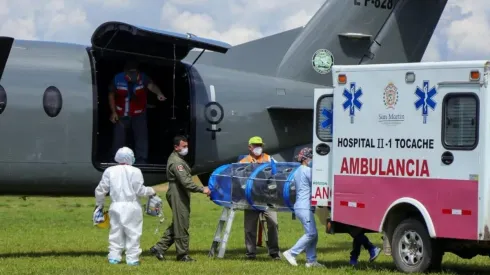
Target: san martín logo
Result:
[390, 99]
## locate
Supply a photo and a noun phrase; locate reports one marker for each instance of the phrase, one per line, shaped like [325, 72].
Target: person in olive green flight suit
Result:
[180, 185]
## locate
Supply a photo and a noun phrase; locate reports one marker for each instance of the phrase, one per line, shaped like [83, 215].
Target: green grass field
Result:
[43, 235]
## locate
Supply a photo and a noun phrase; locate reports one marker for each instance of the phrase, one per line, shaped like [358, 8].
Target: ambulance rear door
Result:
[322, 148]
[457, 168]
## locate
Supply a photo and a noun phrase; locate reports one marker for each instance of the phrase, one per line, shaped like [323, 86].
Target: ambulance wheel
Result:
[412, 247]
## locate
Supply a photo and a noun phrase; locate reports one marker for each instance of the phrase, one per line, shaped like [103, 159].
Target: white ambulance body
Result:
[408, 156]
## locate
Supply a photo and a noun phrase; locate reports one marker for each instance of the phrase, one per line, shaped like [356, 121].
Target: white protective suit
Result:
[125, 184]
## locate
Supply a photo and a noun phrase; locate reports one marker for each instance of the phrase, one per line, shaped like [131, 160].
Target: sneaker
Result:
[353, 261]
[374, 253]
[314, 264]
[112, 261]
[251, 257]
[290, 258]
[134, 263]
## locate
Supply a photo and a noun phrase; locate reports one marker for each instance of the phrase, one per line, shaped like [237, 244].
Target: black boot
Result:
[185, 258]
[275, 256]
[156, 253]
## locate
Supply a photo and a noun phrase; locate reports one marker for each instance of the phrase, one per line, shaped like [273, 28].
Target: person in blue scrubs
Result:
[304, 212]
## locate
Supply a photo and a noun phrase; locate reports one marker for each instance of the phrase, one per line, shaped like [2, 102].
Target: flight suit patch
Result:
[180, 168]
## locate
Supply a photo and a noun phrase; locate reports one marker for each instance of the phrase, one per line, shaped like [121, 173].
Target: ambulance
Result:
[401, 149]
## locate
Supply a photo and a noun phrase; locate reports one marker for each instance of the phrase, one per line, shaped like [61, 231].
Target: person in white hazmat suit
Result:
[125, 184]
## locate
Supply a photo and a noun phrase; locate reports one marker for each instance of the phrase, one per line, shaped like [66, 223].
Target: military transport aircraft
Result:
[54, 113]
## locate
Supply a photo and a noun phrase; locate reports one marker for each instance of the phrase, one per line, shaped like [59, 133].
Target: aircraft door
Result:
[456, 157]
[322, 148]
[460, 118]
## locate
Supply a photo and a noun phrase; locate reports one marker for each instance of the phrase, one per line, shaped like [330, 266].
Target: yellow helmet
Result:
[105, 224]
[255, 140]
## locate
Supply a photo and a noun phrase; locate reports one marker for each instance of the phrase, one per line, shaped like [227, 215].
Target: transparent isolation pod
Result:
[254, 186]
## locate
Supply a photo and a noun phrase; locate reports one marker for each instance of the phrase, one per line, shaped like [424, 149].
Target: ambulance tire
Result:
[419, 234]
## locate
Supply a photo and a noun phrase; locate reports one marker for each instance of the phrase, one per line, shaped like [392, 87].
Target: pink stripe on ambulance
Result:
[451, 206]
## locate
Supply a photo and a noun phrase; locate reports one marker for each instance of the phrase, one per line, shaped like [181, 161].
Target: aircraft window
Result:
[324, 111]
[3, 99]
[52, 101]
[460, 121]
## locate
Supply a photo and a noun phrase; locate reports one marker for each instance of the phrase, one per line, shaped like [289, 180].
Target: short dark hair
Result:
[178, 139]
[131, 64]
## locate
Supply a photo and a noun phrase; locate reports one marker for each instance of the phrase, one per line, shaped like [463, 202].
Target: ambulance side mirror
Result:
[447, 158]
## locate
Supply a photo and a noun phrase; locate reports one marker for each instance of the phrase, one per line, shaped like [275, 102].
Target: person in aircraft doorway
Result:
[251, 217]
[127, 100]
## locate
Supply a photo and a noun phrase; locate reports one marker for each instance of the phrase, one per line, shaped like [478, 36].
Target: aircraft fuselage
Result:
[56, 134]
[55, 155]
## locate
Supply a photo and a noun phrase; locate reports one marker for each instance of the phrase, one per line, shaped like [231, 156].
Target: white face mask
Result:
[257, 151]
[184, 151]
